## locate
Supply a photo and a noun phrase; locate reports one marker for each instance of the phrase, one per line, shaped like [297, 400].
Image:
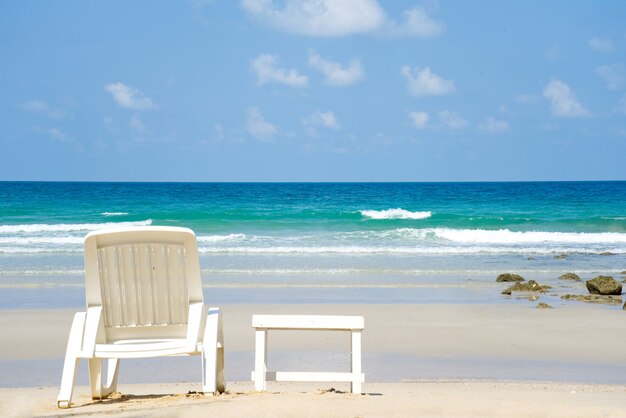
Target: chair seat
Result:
[145, 348]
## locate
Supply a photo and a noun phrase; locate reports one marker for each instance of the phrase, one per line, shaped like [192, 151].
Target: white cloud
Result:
[257, 125]
[264, 66]
[613, 75]
[136, 125]
[563, 100]
[58, 135]
[417, 23]
[335, 73]
[38, 106]
[494, 126]
[109, 124]
[419, 119]
[426, 83]
[621, 106]
[320, 119]
[128, 97]
[526, 99]
[601, 44]
[219, 133]
[327, 18]
[452, 120]
[318, 17]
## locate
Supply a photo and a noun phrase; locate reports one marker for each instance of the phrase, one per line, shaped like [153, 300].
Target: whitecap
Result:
[397, 213]
[421, 250]
[32, 228]
[21, 240]
[505, 236]
[220, 238]
[114, 213]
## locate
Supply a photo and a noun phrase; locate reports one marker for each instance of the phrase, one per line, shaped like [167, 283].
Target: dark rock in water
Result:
[570, 276]
[531, 286]
[604, 285]
[543, 305]
[607, 300]
[560, 256]
[624, 307]
[532, 258]
[510, 277]
[607, 253]
[623, 272]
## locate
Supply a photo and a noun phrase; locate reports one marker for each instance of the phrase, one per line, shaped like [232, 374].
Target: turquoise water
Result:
[390, 238]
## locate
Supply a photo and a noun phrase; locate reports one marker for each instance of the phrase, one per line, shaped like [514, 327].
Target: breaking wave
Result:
[219, 238]
[34, 228]
[505, 236]
[395, 214]
[114, 213]
[37, 238]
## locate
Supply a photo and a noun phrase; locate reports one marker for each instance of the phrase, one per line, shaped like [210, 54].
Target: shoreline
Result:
[422, 398]
[67, 291]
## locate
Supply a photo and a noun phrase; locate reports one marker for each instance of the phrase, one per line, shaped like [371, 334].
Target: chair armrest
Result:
[92, 324]
[194, 323]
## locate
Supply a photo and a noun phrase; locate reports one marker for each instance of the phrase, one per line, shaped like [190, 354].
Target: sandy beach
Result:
[430, 360]
[427, 398]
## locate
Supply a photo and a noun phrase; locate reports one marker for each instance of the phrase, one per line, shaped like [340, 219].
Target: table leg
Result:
[260, 360]
[355, 386]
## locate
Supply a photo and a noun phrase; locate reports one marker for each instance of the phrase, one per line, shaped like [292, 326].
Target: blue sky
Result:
[351, 90]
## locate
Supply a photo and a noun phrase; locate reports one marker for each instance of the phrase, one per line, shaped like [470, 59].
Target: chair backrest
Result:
[143, 276]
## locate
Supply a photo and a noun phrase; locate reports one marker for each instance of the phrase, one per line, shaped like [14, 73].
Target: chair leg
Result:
[220, 374]
[100, 389]
[213, 380]
[355, 385]
[70, 366]
[260, 359]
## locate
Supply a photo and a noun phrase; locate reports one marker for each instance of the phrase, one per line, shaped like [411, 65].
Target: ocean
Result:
[324, 242]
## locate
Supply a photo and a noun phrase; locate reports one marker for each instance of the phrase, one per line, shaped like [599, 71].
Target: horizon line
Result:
[309, 181]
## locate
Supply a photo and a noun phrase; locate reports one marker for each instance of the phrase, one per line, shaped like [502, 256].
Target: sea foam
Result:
[34, 228]
[114, 213]
[422, 250]
[397, 213]
[219, 238]
[505, 236]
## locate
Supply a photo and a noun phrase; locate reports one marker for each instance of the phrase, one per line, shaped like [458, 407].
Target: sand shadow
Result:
[119, 398]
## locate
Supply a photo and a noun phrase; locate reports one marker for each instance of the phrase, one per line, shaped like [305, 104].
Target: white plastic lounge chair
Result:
[144, 299]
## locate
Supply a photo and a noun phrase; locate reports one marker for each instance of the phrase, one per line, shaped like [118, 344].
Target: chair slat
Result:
[104, 285]
[176, 280]
[143, 284]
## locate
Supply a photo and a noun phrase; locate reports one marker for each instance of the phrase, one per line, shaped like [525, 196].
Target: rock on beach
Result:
[604, 285]
[570, 276]
[531, 286]
[510, 277]
[606, 300]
